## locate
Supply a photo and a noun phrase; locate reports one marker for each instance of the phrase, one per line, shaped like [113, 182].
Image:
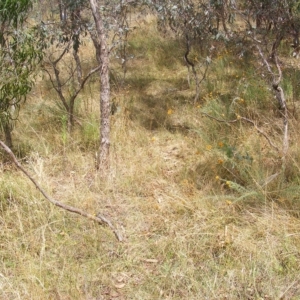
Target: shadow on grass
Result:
[154, 103]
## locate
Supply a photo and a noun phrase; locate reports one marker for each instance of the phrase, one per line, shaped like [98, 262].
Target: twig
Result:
[261, 132]
[246, 120]
[219, 120]
[99, 219]
[281, 297]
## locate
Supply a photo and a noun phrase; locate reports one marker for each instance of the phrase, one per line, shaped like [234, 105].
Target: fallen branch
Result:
[99, 219]
[246, 120]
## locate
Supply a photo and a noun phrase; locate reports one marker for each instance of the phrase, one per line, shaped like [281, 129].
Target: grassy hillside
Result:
[206, 208]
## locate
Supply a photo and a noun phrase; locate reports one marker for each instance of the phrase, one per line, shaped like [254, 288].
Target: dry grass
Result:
[186, 235]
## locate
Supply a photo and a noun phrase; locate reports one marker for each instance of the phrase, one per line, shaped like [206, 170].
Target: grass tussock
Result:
[207, 209]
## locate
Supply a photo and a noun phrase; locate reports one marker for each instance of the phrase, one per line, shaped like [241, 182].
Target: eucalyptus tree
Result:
[272, 21]
[109, 17]
[256, 26]
[20, 51]
[102, 55]
[63, 33]
[106, 24]
[197, 23]
[266, 25]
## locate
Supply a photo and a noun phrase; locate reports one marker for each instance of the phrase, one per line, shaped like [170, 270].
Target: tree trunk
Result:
[71, 117]
[276, 44]
[103, 155]
[7, 132]
[78, 67]
[62, 11]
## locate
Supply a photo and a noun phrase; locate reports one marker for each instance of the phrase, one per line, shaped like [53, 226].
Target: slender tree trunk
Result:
[192, 65]
[62, 11]
[276, 44]
[7, 132]
[5, 129]
[78, 67]
[71, 117]
[94, 38]
[103, 155]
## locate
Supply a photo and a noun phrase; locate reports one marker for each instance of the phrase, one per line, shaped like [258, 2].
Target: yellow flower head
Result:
[220, 161]
[170, 111]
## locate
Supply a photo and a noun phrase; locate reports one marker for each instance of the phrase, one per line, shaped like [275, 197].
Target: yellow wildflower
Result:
[220, 161]
[170, 111]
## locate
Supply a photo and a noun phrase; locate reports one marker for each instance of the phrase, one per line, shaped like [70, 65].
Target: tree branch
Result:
[84, 81]
[66, 49]
[99, 219]
[279, 93]
[246, 120]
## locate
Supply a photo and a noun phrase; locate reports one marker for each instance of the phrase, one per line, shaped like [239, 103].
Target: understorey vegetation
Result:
[156, 155]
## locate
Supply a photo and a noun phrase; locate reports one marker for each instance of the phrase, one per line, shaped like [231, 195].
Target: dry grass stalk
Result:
[99, 219]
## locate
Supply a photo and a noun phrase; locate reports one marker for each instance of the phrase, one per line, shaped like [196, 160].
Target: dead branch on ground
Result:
[99, 219]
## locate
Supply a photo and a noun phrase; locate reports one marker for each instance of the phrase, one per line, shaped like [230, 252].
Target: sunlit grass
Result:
[193, 197]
